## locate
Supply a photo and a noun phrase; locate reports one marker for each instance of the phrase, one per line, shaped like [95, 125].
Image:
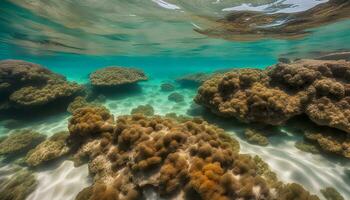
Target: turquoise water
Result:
[75, 38]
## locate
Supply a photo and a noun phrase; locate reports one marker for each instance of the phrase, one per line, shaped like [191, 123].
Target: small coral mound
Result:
[307, 147]
[255, 137]
[90, 120]
[330, 141]
[52, 148]
[18, 186]
[331, 194]
[79, 102]
[146, 110]
[25, 84]
[193, 79]
[167, 87]
[176, 97]
[182, 160]
[20, 141]
[115, 76]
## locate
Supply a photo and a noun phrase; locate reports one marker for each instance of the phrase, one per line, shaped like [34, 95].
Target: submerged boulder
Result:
[116, 76]
[176, 97]
[167, 87]
[52, 148]
[20, 141]
[18, 186]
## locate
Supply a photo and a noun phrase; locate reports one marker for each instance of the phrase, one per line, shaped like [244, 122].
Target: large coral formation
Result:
[24, 84]
[317, 88]
[18, 186]
[185, 160]
[52, 148]
[115, 76]
[20, 141]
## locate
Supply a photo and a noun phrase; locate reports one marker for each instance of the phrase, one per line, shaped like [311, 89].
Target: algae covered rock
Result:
[18, 186]
[146, 110]
[307, 147]
[255, 137]
[115, 76]
[331, 194]
[52, 148]
[20, 141]
[176, 97]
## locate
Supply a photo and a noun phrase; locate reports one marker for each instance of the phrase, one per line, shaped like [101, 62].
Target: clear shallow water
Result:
[158, 37]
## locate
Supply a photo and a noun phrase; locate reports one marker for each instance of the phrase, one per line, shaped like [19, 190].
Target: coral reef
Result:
[176, 97]
[193, 79]
[167, 87]
[115, 76]
[25, 85]
[146, 110]
[317, 88]
[182, 160]
[52, 148]
[18, 186]
[331, 194]
[20, 141]
[255, 137]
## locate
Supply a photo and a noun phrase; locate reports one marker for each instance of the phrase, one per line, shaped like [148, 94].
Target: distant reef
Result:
[319, 89]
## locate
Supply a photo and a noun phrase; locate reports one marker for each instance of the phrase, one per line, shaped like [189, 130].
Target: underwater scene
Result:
[175, 100]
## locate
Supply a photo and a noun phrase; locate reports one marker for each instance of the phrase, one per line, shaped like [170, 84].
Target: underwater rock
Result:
[307, 147]
[146, 110]
[330, 141]
[52, 148]
[29, 85]
[255, 137]
[20, 141]
[18, 186]
[116, 76]
[167, 87]
[331, 194]
[90, 120]
[176, 97]
[177, 159]
[255, 25]
[315, 87]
